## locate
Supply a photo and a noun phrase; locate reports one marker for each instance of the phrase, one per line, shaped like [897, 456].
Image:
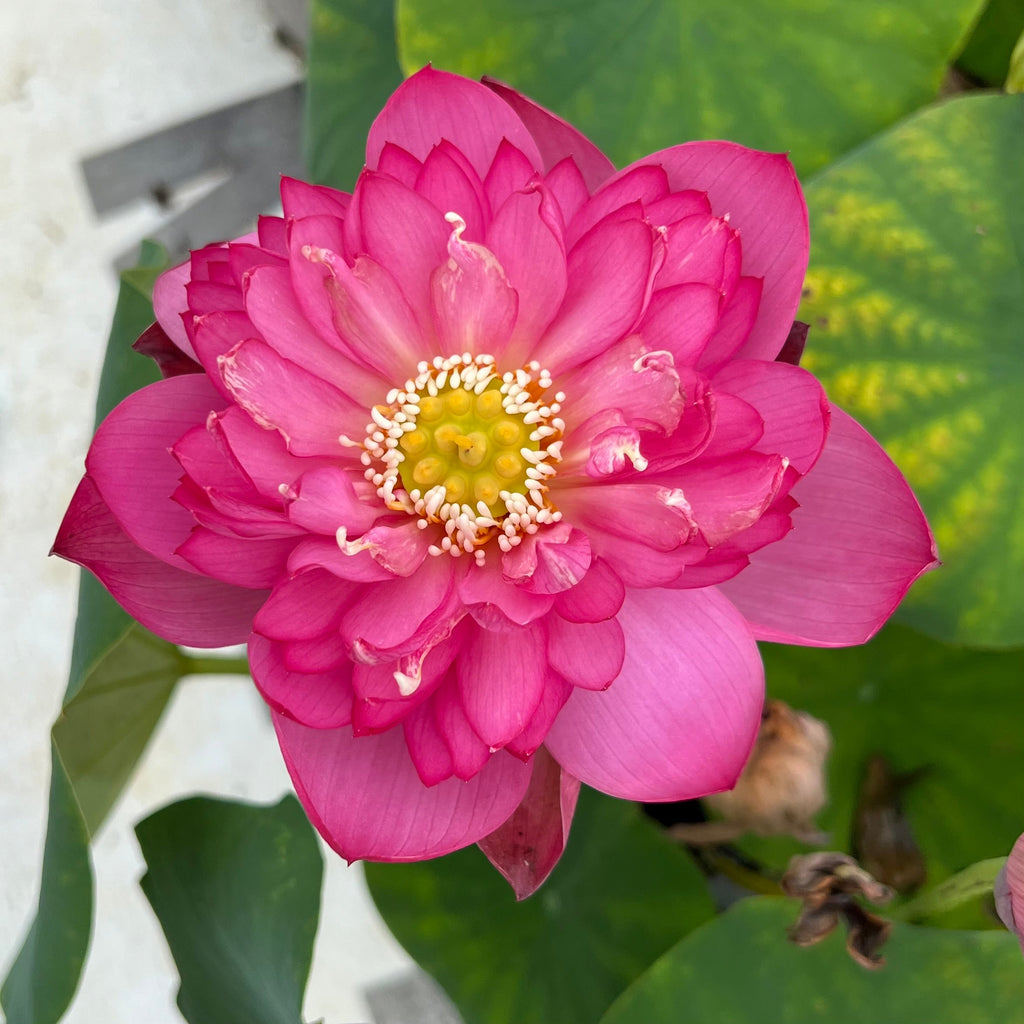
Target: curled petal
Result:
[680, 719]
[859, 539]
[526, 848]
[364, 796]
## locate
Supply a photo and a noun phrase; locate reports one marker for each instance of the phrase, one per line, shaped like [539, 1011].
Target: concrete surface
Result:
[76, 79]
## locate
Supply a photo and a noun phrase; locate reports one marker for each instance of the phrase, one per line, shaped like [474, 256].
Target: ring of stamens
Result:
[472, 451]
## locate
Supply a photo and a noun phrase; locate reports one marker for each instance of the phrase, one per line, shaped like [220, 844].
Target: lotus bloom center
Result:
[468, 450]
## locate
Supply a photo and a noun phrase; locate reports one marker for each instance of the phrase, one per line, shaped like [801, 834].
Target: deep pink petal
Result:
[427, 748]
[556, 139]
[549, 561]
[734, 326]
[501, 678]
[170, 359]
[745, 184]
[451, 184]
[791, 403]
[319, 654]
[179, 606]
[608, 275]
[587, 654]
[325, 500]
[680, 719]
[309, 413]
[321, 700]
[214, 335]
[364, 795]
[324, 553]
[859, 540]
[526, 848]
[131, 466]
[646, 183]
[257, 564]
[433, 105]
[598, 596]
[305, 606]
[509, 172]
[469, 753]
[484, 590]
[299, 199]
[680, 320]
[528, 742]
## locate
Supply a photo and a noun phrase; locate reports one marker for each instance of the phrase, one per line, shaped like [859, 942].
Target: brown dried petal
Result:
[867, 933]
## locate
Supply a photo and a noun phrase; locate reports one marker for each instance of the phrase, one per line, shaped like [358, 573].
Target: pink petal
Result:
[608, 274]
[257, 564]
[427, 747]
[366, 799]
[451, 184]
[556, 139]
[527, 244]
[299, 199]
[433, 105]
[325, 499]
[399, 163]
[859, 540]
[680, 320]
[528, 742]
[170, 360]
[734, 326]
[469, 753]
[550, 561]
[403, 232]
[214, 335]
[179, 606]
[791, 403]
[1009, 892]
[170, 301]
[474, 305]
[526, 848]
[587, 654]
[309, 413]
[485, 589]
[321, 700]
[501, 679]
[646, 183]
[131, 466]
[510, 172]
[319, 654]
[305, 606]
[762, 196]
[598, 596]
[680, 719]
[321, 553]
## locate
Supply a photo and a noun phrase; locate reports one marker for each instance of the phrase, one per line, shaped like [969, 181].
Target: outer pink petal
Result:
[762, 196]
[320, 700]
[434, 105]
[680, 719]
[131, 466]
[526, 848]
[366, 799]
[179, 606]
[556, 139]
[170, 301]
[859, 540]
[1009, 892]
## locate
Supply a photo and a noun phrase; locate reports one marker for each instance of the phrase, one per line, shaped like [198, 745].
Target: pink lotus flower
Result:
[494, 466]
[1009, 891]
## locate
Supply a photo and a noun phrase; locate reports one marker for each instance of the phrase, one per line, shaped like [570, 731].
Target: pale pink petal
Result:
[309, 413]
[170, 302]
[587, 654]
[791, 403]
[321, 700]
[182, 607]
[608, 275]
[501, 679]
[1009, 892]
[598, 596]
[526, 848]
[364, 796]
[556, 139]
[474, 304]
[680, 719]
[859, 540]
[745, 184]
[433, 105]
[131, 466]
